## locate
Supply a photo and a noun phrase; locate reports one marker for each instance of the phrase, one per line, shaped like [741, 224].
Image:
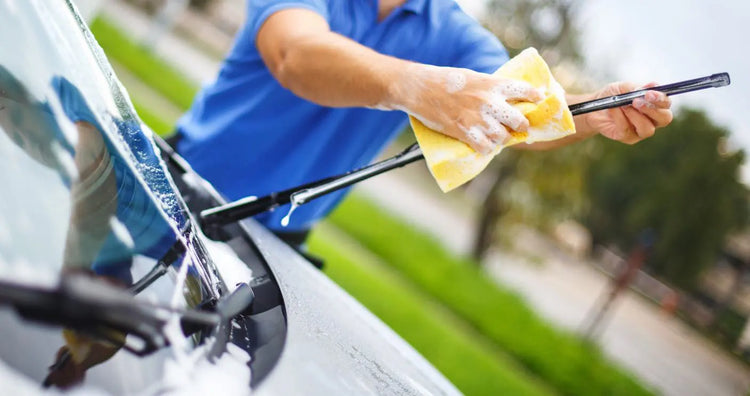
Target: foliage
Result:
[567, 364]
[546, 25]
[729, 325]
[455, 349]
[534, 188]
[549, 185]
[157, 124]
[681, 185]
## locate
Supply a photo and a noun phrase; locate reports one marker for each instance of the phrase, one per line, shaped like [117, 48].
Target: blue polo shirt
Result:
[248, 135]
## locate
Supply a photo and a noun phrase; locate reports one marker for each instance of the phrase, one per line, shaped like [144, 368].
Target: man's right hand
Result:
[472, 107]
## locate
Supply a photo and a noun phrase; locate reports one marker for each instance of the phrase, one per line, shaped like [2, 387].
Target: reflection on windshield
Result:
[79, 354]
[112, 217]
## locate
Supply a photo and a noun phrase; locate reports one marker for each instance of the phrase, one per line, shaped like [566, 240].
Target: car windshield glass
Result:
[83, 189]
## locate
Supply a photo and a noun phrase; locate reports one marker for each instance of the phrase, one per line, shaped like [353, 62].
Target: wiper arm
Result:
[160, 268]
[247, 207]
[93, 307]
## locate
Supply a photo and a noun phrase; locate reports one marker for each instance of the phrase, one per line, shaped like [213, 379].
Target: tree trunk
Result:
[491, 212]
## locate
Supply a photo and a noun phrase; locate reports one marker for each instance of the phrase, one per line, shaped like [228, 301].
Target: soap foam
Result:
[500, 111]
[474, 134]
[493, 125]
[515, 90]
[456, 81]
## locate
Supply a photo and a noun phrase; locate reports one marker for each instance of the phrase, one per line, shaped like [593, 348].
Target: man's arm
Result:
[331, 70]
[306, 57]
[321, 66]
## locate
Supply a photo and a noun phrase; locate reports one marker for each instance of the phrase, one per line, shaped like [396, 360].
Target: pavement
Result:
[659, 349]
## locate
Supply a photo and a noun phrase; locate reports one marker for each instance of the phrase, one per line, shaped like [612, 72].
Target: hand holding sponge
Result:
[453, 163]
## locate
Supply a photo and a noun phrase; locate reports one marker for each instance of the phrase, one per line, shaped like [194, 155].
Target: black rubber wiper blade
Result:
[160, 268]
[250, 206]
[99, 309]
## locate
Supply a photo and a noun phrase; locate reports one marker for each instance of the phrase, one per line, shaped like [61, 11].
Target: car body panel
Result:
[334, 345]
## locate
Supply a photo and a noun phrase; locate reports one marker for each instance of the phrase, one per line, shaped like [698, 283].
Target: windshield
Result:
[83, 190]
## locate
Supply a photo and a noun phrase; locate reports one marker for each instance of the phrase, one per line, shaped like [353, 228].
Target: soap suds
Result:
[513, 89]
[456, 81]
[504, 113]
[474, 134]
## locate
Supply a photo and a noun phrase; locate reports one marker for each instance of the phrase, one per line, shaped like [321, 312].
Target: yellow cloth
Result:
[453, 163]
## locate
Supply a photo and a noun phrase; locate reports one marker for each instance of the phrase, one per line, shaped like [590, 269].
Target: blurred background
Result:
[600, 268]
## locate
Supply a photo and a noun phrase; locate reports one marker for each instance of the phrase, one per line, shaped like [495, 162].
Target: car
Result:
[109, 280]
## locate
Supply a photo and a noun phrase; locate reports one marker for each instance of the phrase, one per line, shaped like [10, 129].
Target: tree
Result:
[682, 184]
[544, 24]
[535, 187]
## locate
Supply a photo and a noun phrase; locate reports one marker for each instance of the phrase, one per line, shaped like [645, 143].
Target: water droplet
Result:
[285, 220]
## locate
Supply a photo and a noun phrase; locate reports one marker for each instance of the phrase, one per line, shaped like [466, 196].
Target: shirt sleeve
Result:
[259, 10]
[475, 47]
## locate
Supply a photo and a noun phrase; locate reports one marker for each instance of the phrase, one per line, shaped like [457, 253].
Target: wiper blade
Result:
[160, 268]
[247, 207]
[96, 308]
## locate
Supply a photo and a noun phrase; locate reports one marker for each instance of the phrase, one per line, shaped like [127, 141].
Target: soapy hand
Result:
[472, 107]
[630, 124]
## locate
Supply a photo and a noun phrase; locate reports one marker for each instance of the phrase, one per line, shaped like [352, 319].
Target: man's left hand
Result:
[630, 124]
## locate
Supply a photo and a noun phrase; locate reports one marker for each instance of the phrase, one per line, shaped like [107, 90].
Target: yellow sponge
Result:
[453, 163]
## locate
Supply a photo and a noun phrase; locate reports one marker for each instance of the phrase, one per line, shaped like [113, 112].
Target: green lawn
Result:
[568, 364]
[483, 338]
[462, 354]
[143, 64]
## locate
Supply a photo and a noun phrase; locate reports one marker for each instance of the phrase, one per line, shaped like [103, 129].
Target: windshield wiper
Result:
[250, 206]
[160, 268]
[247, 207]
[96, 308]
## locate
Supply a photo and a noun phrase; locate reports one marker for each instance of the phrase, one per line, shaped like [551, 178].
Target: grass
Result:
[419, 276]
[142, 63]
[156, 123]
[475, 367]
[566, 363]
[151, 70]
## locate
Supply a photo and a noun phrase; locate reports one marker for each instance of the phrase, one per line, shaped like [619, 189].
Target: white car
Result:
[108, 283]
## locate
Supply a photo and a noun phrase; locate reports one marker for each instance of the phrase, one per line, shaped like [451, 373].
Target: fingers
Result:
[506, 114]
[478, 109]
[656, 106]
[518, 90]
[643, 126]
[632, 124]
[484, 138]
[477, 140]
[654, 100]
[623, 130]
[496, 132]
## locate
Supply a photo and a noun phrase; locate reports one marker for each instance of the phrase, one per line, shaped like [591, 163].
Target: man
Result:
[310, 88]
